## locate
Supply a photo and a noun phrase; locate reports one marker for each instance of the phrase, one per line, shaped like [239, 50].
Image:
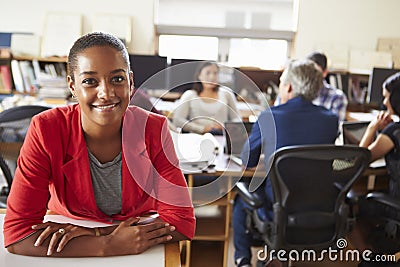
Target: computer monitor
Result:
[354, 131]
[144, 67]
[180, 76]
[255, 80]
[376, 79]
[236, 134]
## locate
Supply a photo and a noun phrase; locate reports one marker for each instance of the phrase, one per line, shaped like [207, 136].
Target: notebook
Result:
[236, 134]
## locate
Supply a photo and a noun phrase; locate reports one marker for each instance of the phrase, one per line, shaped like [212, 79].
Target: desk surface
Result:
[171, 257]
[225, 166]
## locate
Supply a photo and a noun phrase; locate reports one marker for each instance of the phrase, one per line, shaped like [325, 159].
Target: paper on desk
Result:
[362, 116]
[191, 147]
[154, 257]
[84, 223]
[92, 224]
[379, 163]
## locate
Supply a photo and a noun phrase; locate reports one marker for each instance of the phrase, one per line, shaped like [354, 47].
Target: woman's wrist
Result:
[373, 126]
[106, 230]
[105, 247]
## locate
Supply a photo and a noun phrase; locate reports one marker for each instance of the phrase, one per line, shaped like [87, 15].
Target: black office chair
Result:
[309, 184]
[385, 236]
[381, 210]
[14, 123]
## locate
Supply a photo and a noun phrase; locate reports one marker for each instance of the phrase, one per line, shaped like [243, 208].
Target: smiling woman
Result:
[76, 154]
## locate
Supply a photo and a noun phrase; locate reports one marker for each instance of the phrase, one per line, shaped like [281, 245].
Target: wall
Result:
[29, 16]
[345, 24]
[211, 13]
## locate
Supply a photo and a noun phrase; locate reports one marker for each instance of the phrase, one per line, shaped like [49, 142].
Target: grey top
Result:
[193, 114]
[107, 184]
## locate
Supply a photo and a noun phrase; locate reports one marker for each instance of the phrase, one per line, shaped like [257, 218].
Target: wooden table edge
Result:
[172, 255]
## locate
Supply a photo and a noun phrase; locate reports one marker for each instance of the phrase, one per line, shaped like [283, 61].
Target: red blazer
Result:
[54, 173]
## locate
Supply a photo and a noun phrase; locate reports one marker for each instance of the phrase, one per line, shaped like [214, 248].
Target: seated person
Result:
[206, 107]
[328, 96]
[76, 162]
[332, 98]
[297, 121]
[386, 144]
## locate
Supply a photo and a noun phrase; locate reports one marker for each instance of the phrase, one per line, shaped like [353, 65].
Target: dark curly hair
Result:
[90, 40]
[392, 84]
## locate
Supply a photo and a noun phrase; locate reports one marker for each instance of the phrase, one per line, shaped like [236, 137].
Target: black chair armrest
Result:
[384, 199]
[3, 202]
[351, 197]
[252, 199]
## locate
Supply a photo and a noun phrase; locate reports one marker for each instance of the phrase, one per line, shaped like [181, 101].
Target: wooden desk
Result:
[213, 229]
[171, 250]
[172, 255]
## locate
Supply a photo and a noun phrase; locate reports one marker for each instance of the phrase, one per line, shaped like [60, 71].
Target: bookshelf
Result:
[354, 85]
[44, 78]
[42, 59]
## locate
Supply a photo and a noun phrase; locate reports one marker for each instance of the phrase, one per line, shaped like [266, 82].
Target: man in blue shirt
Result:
[296, 121]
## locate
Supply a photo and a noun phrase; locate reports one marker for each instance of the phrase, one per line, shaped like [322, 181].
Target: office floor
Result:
[325, 263]
[206, 253]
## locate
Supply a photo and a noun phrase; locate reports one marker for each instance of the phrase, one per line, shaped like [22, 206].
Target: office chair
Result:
[385, 236]
[309, 184]
[384, 214]
[14, 123]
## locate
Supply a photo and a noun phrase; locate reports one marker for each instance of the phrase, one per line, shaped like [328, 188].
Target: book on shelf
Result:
[333, 81]
[51, 79]
[17, 76]
[339, 81]
[28, 76]
[5, 79]
[2, 87]
[53, 92]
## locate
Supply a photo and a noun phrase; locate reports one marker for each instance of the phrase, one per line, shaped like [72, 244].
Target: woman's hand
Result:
[381, 121]
[59, 234]
[130, 238]
[213, 128]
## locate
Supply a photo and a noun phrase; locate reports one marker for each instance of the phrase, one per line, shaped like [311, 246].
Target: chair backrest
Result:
[310, 183]
[14, 123]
